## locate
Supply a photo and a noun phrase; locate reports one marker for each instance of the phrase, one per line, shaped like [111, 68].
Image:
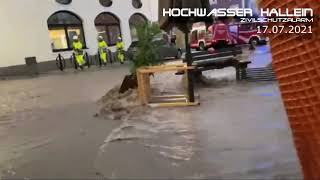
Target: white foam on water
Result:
[152, 128]
[168, 133]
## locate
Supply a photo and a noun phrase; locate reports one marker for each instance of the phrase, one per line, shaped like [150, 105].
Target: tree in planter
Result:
[147, 53]
[147, 47]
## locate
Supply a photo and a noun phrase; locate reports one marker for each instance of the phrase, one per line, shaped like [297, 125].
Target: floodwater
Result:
[261, 57]
[47, 124]
[48, 130]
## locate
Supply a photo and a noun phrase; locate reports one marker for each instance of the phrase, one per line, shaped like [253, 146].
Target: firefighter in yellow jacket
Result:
[120, 50]
[78, 50]
[103, 49]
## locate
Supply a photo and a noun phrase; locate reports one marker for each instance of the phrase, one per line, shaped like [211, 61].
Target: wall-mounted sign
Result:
[64, 1]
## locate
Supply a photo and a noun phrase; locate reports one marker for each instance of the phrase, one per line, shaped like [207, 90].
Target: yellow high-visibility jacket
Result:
[77, 45]
[103, 49]
[103, 44]
[120, 45]
[78, 49]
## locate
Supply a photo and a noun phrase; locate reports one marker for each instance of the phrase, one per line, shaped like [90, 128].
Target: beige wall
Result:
[24, 30]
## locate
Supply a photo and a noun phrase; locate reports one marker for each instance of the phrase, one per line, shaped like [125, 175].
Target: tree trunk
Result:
[129, 82]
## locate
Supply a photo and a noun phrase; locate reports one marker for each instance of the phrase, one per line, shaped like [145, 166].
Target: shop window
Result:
[106, 3]
[135, 20]
[108, 26]
[137, 4]
[63, 26]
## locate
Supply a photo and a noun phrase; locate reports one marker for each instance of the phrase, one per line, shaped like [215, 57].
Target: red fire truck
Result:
[246, 33]
[216, 35]
[222, 35]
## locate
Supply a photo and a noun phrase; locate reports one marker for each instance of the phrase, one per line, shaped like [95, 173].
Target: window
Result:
[137, 4]
[108, 26]
[63, 25]
[202, 34]
[194, 36]
[160, 42]
[58, 39]
[246, 27]
[106, 3]
[64, 1]
[135, 20]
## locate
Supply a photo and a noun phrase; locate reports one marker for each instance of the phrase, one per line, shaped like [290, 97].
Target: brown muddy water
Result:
[48, 129]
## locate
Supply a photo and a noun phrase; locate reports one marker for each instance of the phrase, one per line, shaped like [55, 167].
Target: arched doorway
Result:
[108, 26]
[135, 20]
[63, 25]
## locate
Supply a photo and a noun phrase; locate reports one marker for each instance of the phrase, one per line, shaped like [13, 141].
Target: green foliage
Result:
[147, 48]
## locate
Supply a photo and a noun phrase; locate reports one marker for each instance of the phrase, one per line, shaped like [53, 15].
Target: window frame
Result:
[65, 28]
[107, 25]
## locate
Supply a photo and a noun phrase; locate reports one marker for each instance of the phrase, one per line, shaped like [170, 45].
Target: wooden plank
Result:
[167, 100]
[147, 87]
[179, 104]
[163, 66]
[170, 96]
[142, 88]
[175, 68]
[139, 85]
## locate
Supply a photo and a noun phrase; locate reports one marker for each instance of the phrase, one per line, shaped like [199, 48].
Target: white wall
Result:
[24, 30]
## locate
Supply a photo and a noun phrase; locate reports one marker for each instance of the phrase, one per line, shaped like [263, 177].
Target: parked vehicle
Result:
[246, 33]
[167, 50]
[200, 38]
[222, 35]
[215, 36]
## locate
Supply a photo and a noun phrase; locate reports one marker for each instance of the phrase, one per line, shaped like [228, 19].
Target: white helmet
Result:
[119, 38]
[100, 37]
[75, 37]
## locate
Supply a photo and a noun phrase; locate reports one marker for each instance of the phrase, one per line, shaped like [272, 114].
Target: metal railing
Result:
[89, 60]
[60, 63]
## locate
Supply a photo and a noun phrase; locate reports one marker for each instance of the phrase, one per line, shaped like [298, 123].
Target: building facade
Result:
[44, 28]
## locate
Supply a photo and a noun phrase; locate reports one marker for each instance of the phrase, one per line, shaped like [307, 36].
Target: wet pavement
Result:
[47, 124]
[48, 130]
[261, 57]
